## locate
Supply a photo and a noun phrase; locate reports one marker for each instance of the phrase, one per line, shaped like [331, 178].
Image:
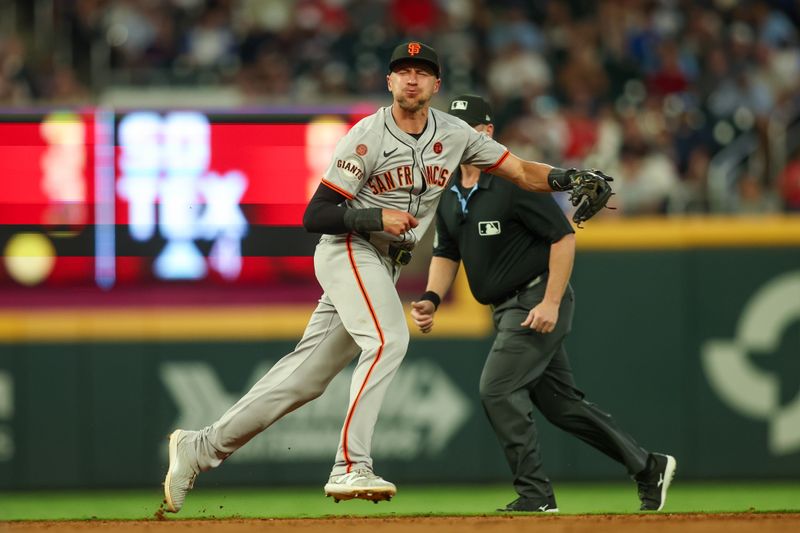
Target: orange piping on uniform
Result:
[338, 189]
[377, 356]
[499, 162]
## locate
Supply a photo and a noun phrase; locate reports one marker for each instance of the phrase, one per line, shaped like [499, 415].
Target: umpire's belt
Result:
[532, 283]
[401, 256]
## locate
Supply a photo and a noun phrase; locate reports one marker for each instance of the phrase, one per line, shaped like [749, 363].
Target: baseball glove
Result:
[590, 193]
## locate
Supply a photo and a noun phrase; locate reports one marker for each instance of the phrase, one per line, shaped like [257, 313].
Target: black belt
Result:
[522, 288]
[401, 256]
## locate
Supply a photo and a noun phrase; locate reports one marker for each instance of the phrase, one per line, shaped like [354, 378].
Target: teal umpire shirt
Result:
[500, 232]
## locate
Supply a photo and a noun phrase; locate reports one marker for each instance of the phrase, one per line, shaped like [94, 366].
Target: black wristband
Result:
[560, 179]
[431, 297]
[369, 219]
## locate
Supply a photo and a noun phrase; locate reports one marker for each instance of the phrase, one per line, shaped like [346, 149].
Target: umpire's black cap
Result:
[472, 109]
[415, 51]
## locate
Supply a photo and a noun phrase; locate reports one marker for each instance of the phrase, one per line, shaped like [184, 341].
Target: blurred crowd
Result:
[693, 105]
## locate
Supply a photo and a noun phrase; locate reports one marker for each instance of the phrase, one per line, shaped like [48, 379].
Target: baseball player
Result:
[376, 199]
[518, 249]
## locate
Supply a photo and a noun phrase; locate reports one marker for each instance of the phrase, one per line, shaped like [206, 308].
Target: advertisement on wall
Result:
[126, 197]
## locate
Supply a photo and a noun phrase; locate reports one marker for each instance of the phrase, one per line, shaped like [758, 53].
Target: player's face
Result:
[412, 85]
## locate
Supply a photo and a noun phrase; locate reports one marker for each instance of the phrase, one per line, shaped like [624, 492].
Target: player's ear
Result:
[389, 82]
[437, 85]
[489, 130]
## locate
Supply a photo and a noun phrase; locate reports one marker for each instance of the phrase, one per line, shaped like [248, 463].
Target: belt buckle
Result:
[532, 283]
[402, 256]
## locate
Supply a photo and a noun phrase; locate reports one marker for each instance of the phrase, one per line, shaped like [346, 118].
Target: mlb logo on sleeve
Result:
[489, 228]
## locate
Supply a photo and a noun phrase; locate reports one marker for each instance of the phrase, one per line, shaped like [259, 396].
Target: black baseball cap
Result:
[415, 51]
[472, 109]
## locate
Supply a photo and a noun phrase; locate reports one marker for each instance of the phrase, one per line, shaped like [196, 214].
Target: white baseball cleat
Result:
[361, 484]
[182, 470]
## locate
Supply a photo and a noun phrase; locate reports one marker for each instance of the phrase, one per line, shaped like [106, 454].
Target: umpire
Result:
[518, 250]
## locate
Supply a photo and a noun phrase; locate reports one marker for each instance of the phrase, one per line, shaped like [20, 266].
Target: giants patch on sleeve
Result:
[352, 168]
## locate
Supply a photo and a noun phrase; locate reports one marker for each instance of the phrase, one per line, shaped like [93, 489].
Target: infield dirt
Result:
[654, 523]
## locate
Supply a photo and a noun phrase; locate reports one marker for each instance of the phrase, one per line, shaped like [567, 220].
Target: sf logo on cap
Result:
[414, 48]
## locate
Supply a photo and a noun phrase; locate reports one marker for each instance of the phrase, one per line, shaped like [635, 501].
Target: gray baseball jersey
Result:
[360, 313]
[378, 165]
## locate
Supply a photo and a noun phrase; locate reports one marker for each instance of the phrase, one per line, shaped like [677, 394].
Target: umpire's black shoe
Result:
[529, 505]
[654, 481]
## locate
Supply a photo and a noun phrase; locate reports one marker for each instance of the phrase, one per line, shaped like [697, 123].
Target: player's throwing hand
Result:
[398, 222]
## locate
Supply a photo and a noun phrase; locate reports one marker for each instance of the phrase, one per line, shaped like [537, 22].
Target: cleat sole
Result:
[672, 466]
[370, 495]
[173, 452]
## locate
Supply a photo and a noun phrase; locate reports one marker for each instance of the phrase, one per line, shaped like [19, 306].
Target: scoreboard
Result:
[108, 197]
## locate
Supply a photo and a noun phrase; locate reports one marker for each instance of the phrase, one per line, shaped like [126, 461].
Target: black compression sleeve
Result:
[369, 219]
[324, 214]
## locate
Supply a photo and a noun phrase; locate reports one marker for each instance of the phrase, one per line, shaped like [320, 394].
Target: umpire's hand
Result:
[422, 313]
[542, 318]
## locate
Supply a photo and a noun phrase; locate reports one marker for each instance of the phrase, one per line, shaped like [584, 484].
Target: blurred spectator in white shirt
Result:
[751, 197]
[645, 180]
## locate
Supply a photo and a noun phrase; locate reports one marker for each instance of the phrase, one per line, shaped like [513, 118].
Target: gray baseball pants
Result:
[359, 312]
[526, 369]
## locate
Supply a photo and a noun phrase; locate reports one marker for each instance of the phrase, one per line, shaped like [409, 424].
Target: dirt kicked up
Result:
[650, 523]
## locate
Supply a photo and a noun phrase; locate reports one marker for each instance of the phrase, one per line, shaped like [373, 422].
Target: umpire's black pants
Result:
[526, 368]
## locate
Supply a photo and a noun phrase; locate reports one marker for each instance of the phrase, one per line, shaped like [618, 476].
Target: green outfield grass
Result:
[572, 498]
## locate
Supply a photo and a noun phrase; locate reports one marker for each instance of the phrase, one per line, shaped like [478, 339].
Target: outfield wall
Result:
[688, 332]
